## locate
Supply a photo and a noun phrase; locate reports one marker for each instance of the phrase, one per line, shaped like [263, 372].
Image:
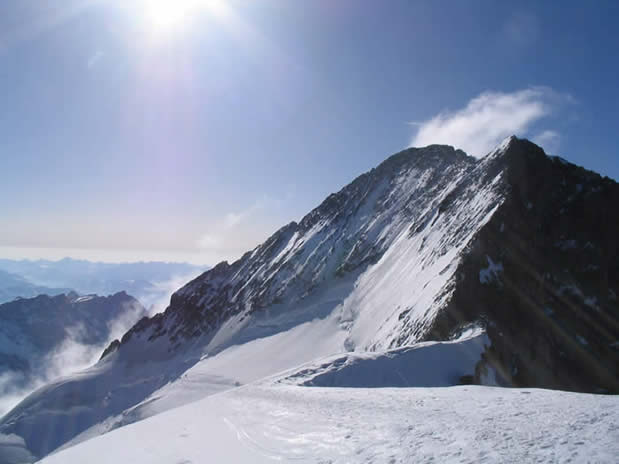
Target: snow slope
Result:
[289, 357]
[282, 419]
[267, 423]
[122, 389]
[428, 364]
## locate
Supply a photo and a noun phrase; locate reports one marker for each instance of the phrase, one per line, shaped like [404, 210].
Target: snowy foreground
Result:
[391, 406]
[269, 423]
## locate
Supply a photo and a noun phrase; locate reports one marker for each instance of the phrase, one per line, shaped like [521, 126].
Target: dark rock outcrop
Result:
[543, 275]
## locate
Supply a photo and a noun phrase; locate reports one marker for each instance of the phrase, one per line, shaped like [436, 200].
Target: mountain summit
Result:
[425, 246]
[434, 240]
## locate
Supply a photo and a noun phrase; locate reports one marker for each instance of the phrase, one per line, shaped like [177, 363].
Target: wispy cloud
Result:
[233, 219]
[487, 119]
[217, 236]
[208, 241]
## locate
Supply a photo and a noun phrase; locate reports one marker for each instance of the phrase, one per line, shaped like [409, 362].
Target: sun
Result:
[165, 14]
[165, 17]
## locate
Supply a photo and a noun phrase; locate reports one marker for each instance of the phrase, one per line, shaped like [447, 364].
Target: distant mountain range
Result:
[148, 281]
[15, 286]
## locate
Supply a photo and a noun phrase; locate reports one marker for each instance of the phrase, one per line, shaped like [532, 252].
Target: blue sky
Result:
[192, 129]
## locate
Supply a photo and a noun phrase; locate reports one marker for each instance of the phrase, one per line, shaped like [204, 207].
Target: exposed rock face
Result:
[544, 276]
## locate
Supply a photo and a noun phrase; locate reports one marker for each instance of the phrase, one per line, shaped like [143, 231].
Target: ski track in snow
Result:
[268, 423]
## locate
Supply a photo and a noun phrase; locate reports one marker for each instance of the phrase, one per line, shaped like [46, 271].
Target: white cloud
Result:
[216, 237]
[487, 119]
[227, 234]
[548, 140]
[232, 219]
[208, 241]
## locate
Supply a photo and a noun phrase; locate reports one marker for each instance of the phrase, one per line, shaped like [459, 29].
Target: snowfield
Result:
[265, 423]
[354, 415]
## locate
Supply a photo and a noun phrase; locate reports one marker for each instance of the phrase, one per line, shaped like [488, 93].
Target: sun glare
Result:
[164, 14]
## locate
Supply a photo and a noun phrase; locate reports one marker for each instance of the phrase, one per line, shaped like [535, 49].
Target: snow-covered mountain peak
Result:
[436, 195]
[512, 151]
[394, 235]
[503, 146]
[425, 244]
[349, 231]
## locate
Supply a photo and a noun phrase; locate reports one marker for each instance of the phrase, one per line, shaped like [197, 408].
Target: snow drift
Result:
[429, 364]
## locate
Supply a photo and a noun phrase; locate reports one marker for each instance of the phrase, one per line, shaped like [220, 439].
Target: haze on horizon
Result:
[191, 130]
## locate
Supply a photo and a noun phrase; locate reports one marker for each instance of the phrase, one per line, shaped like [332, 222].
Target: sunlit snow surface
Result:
[269, 423]
[281, 419]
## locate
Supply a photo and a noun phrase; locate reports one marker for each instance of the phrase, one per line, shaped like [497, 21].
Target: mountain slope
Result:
[392, 220]
[417, 249]
[540, 240]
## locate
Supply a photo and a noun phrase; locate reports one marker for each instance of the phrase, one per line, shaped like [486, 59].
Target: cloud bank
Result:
[487, 119]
